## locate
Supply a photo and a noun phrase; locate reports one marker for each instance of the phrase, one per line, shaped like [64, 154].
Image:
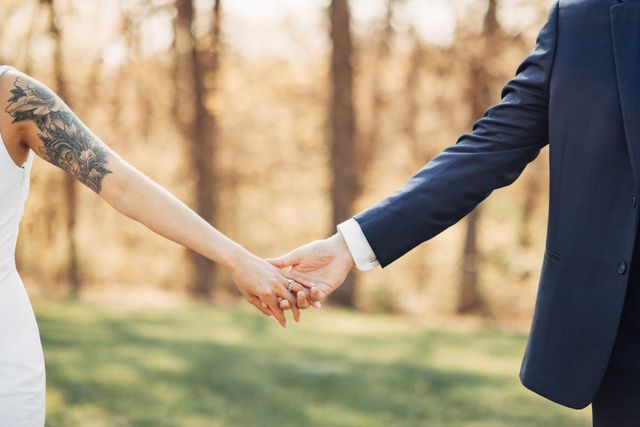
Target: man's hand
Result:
[321, 266]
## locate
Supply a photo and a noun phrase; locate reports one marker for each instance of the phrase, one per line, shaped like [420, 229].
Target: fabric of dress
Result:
[22, 373]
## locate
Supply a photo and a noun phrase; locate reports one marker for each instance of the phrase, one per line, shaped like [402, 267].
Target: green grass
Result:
[213, 366]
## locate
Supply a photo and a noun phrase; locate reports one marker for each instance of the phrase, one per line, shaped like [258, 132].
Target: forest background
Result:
[275, 120]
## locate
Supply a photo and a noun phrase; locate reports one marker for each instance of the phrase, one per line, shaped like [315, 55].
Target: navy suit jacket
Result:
[579, 93]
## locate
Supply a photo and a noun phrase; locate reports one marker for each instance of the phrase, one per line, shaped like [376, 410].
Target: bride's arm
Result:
[47, 126]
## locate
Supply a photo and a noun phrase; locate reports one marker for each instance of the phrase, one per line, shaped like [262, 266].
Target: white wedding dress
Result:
[22, 374]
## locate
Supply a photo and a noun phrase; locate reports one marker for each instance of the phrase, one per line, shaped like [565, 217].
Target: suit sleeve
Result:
[508, 136]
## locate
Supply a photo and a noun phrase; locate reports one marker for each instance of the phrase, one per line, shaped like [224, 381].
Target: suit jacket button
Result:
[622, 267]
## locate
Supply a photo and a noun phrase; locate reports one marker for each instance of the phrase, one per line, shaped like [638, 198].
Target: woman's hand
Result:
[43, 122]
[260, 282]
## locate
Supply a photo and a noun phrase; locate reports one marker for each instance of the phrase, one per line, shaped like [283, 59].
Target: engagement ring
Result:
[290, 284]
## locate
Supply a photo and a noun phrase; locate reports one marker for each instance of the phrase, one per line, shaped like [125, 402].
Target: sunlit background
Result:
[129, 321]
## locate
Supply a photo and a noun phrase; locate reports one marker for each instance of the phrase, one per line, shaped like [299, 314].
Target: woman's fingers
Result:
[302, 295]
[264, 308]
[295, 310]
[282, 292]
[272, 302]
[285, 260]
[302, 300]
[286, 305]
[312, 292]
[299, 278]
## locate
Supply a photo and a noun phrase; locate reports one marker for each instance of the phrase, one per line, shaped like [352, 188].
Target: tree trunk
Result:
[203, 140]
[73, 269]
[342, 137]
[533, 190]
[370, 146]
[26, 65]
[421, 153]
[470, 298]
[33, 27]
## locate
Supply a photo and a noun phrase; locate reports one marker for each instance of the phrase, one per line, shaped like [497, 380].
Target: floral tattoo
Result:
[66, 142]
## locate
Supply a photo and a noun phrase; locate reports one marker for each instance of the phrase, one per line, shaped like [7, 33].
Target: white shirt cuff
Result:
[363, 256]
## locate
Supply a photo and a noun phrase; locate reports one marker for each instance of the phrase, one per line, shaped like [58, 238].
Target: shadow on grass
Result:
[234, 369]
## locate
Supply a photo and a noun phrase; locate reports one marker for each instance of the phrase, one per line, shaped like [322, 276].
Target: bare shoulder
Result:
[7, 75]
[49, 127]
[10, 129]
[24, 97]
[10, 81]
[21, 96]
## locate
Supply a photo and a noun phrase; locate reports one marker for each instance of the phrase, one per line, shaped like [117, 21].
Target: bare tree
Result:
[532, 193]
[73, 269]
[479, 93]
[535, 179]
[371, 143]
[410, 129]
[33, 26]
[342, 134]
[412, 81]
[203, 65]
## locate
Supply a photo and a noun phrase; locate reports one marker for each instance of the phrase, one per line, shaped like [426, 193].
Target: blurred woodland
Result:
[275, 131]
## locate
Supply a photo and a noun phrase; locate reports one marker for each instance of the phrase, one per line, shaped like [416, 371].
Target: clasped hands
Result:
[295, 281]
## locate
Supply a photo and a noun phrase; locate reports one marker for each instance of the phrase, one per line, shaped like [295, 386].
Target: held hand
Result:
[263, 285]
[321, 266]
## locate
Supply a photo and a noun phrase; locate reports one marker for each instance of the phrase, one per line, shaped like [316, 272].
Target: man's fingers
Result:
[302, 295]
[316, 291]
[316, 296]
[299, 278]
[284, 304]
[302, 301]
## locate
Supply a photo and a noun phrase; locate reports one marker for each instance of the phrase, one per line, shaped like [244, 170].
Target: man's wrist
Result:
[338, 241]
[358, 245]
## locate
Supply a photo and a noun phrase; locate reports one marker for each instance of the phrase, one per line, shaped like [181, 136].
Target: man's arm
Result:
[493, 155]
[501, 144]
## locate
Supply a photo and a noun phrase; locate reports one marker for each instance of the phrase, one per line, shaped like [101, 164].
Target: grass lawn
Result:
[211, 366]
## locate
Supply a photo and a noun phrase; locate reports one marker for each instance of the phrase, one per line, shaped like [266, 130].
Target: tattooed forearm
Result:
[66, 142]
